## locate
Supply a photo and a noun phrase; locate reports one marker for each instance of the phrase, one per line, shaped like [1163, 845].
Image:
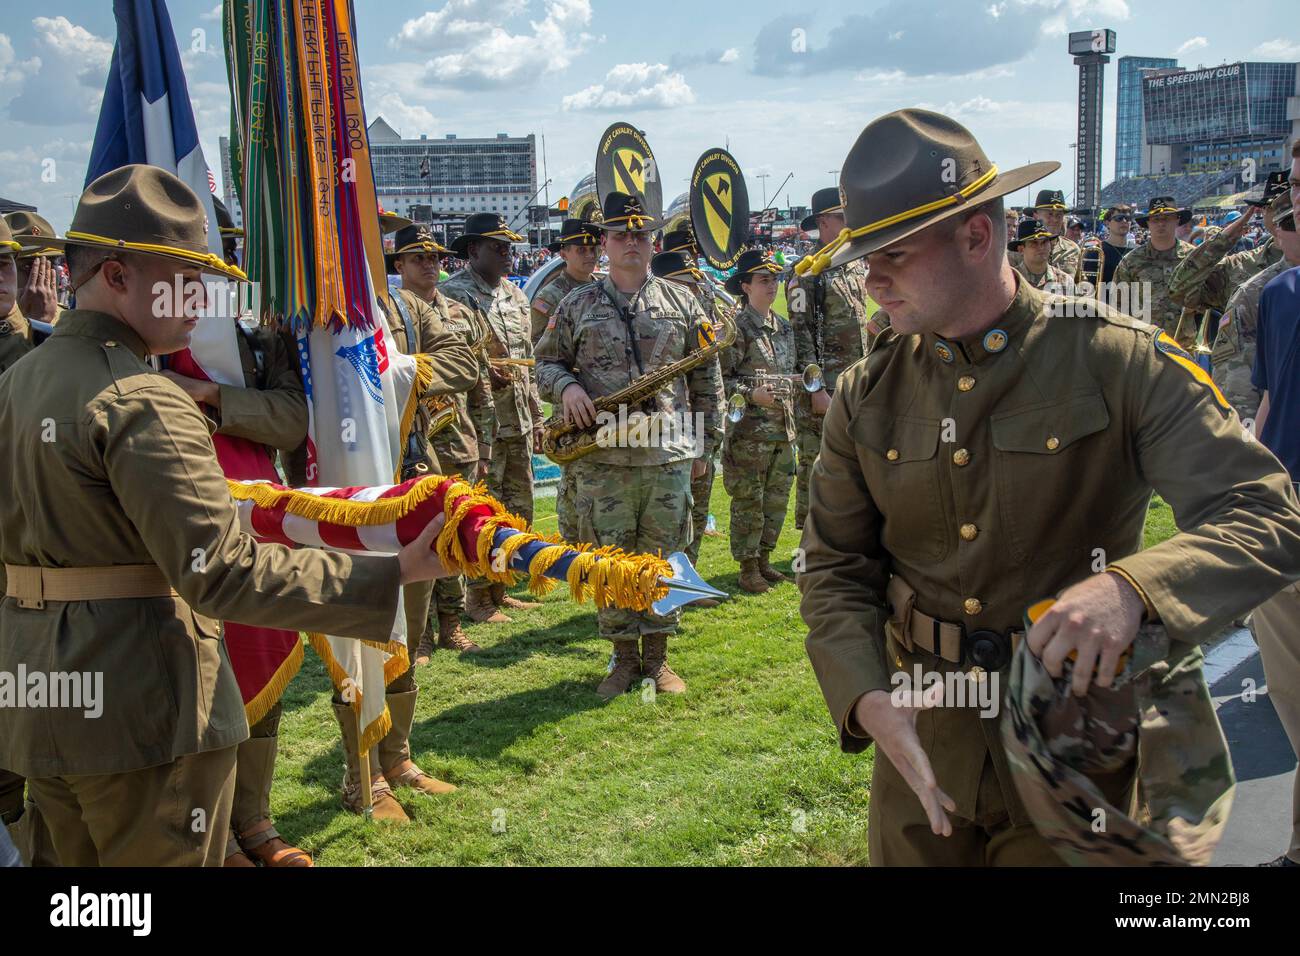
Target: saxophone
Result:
[564, 443]
[442, 408]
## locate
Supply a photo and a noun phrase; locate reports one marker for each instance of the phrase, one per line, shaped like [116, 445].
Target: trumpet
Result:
[782, 386]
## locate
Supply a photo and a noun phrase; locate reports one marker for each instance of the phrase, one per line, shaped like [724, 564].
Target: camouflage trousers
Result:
[808, 440]
[641, 509]
[510, 481]
[757, 475]
[701, 491]
[564, 512]
[448, 593]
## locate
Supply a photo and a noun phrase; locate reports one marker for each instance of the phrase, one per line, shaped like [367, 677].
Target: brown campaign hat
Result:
[908, 170]
[1028, 229]
[147, 210]
[29, 230]
[1158, 205]
[751, 261]
[675, 266]
[7, 244]
[681, 240]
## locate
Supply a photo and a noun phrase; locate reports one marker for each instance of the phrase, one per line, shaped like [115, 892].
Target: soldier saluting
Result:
[984, 456]
[121, 544]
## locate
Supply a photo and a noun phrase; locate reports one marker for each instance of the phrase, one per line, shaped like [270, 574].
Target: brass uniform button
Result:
[892, 454]
[898, 661]
[1053, 443]
[965, 383]
[961, 457]
[977, 673]
[968, 532]
[972, 606]
[110, 344]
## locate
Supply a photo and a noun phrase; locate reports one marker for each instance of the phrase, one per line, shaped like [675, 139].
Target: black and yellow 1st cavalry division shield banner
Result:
[719, 208]
[624, 163]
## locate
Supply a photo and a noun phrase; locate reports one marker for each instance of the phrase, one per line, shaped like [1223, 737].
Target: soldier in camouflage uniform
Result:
[579, 245]
[679, 246]
[828, 313]
[758, 453]
[1211, 273]
[1066, 254]
[483, 287]
[465, 446]
[1036, 245]
[1233, 357]
[1154, 262]
[634, 494]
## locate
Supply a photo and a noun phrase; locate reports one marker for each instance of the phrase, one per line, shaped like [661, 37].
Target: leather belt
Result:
[984, 649]
[33, 586]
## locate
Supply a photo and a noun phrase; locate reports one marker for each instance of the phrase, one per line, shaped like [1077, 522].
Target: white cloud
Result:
[1278, 49]
[66, 38]
[409, 119]
[634, 85]
[1081, 14]
[13, 71]
[729, 55]
[213, 14]
[1195, 43]
[484, 53]
[985, 113]
[67, 83]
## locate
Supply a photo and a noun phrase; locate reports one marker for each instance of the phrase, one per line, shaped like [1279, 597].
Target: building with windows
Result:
[453, 176]
[1240, 115]
[1130, 131]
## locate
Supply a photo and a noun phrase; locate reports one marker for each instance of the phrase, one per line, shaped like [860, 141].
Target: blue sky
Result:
[692, 75]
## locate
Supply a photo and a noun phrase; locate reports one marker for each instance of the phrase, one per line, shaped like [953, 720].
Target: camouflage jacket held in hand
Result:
[1145, 264]
[1209, 275]
[829, 315]
[588, 343]
[763, 345]
[505, 309]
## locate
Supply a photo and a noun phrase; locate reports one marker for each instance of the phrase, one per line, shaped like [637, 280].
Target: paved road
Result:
[1262, 757]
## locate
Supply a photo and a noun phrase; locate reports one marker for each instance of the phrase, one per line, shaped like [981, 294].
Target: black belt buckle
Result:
[989, 650]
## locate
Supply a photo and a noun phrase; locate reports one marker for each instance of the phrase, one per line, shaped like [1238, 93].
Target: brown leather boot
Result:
[423, 651]
[394, 750]
[770, 573]
[481, 608]
[751, 577]
[654, 664]
[452, 637]
[383, 805]
[262, 843]
[235, 855]
[626, 670]
[501, 599]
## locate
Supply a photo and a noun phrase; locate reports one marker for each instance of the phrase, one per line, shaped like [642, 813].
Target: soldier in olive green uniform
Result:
[828, 312]
[14, 330]
[121, 545]
[580, 247]
[1154, 262]
[984, 456]
[636, 494]
[463, 447]
[1233, 357]
[758, 453]
[38, 287]
[483, 287]
[270, 409]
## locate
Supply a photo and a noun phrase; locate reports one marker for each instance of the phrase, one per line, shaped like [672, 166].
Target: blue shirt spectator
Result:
[1277, 367]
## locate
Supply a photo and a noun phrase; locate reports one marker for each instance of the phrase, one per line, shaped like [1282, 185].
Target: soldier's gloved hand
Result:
[762, 395]
[418, 560]
[821, 401]
[890, 719]
[578, 409]
[1096, 619]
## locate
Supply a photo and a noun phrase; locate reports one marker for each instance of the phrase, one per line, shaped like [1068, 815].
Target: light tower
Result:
[1089, 48]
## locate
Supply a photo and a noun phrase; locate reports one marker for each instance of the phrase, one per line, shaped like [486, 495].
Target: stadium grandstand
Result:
[1200, 190]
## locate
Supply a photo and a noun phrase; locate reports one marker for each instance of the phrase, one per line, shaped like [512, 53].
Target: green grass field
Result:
[742, 769]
